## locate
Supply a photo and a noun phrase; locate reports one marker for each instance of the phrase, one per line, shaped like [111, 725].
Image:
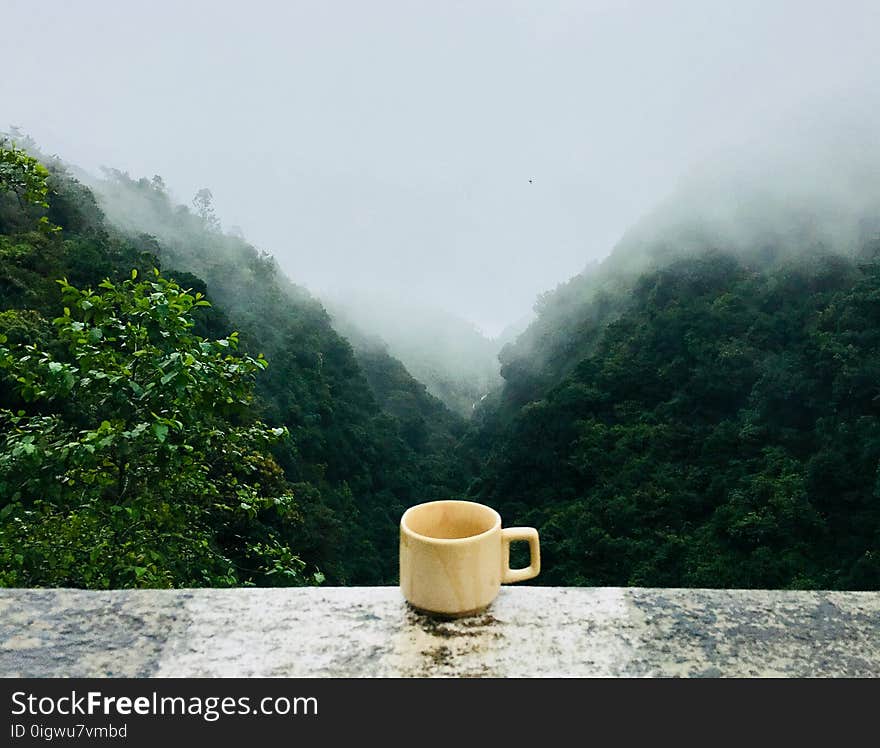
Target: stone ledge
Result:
[369, 631]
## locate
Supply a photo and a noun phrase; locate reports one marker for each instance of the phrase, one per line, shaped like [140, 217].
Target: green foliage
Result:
[355, 450]
[719, 427]
[367, 440]
[26, 178]
[136, 464]
[24, 175]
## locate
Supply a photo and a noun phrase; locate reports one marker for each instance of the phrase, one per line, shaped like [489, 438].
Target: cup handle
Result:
[509, 535]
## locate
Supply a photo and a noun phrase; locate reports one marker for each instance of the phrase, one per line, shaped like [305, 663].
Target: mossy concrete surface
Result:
[370, 631]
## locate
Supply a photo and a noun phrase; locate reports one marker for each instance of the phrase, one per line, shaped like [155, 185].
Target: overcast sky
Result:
[390, 145]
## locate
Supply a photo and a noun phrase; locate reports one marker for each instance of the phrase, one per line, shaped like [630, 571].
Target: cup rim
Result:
[444, 541]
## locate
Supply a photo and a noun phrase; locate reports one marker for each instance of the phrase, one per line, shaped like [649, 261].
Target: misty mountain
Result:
[702, 408]
[457, 363]
[699, 409]
[348, 456]
[770, 206]
[237, 273]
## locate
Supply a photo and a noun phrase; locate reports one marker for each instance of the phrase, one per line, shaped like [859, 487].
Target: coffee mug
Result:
[454, 556]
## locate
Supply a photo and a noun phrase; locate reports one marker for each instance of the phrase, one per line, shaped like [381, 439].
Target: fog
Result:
[448, 354]
[813, 188]
[463, 156]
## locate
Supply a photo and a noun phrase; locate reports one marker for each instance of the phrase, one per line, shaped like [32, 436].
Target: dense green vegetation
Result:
[717, 425]
[175, 411]
[339, 474]
[356, 465]
[133, 458]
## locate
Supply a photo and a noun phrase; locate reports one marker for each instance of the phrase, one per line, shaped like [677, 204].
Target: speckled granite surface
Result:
[528, 631]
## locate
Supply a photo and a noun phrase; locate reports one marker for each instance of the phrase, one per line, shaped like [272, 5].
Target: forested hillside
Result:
[384, 457]
[694, 417]
[345, 468]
